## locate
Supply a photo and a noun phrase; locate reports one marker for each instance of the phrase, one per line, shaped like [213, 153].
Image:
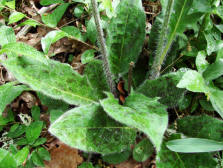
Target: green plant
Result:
[100, 123]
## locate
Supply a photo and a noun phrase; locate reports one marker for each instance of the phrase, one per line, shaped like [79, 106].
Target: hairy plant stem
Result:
[160, 54]
[108, 74]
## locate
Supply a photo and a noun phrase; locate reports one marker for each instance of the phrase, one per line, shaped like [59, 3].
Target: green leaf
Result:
[51, 38]
[193, 81]
[206, 105]
[16, 130]
[37, 160]
[95, 73]
[202, 126]
[21, 155]
[86, 165]
[212, 44]
[8, 92]
[126, 34]
[24, 49]
[169, 159]
[56, 80]
[88, 128]
[91, 30]
[216, 97]
[43, 153]
[165, 88]
[116, 158]
[5, 120]
[30, 23]
[78, 11]
[53, 18]
[15, 17]
[141, 112]
[73, 31]
[201, 62]
[203, 6]
[143, 150]
[87, 56]
[55, 114]
[214, 70]
[50, 2]
[6, 159]
[33, 131]
[194, 145]
[7, 35]
[35, 112]
[39, 141]
[10, 4]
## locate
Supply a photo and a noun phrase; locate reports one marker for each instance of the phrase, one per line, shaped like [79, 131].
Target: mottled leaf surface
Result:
[126, 33]
[95, 73]
[56, 80]
[165, 88]
[202, 126]
[88, 128]
[7, 35]
[141, 112]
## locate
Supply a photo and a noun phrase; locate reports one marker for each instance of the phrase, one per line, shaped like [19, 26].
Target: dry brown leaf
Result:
[63, 156]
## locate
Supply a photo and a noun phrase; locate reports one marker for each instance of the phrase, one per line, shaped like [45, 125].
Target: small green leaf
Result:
[143, 150]
[78, 11]
[8, 92]
[39, 141]
[6, 159]
[52, 19]
[88, 128]
[141, 112]
[206, 105]
[10, 4]
[86, 165]
[35, 112]
[5, 120]
[56, 80]
[33, 131]
[51, 38]
[50, 2]
[37, 160]
[214, 70]
[24, 49]
[30, 23]
[201, 62]
[126, 34]
[15, 17]
[21, 155]
[7, 35]
[87, 56]
[73, 31]
[16, 130]
[116, 158]
[43, 153]
[194, 145]
[193, 81]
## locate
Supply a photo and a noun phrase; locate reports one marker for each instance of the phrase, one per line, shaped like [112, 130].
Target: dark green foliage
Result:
[165, 88]
[126, 33]
[143, 150]
[117, 158]
[202, 126]
[95, 74]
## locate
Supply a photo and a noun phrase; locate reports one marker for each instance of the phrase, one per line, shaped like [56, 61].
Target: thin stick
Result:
[103, 49]
[131, 66]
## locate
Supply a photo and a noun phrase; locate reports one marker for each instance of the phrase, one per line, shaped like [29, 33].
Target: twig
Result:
[26, 28]
[104, 52]
[131, 66]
